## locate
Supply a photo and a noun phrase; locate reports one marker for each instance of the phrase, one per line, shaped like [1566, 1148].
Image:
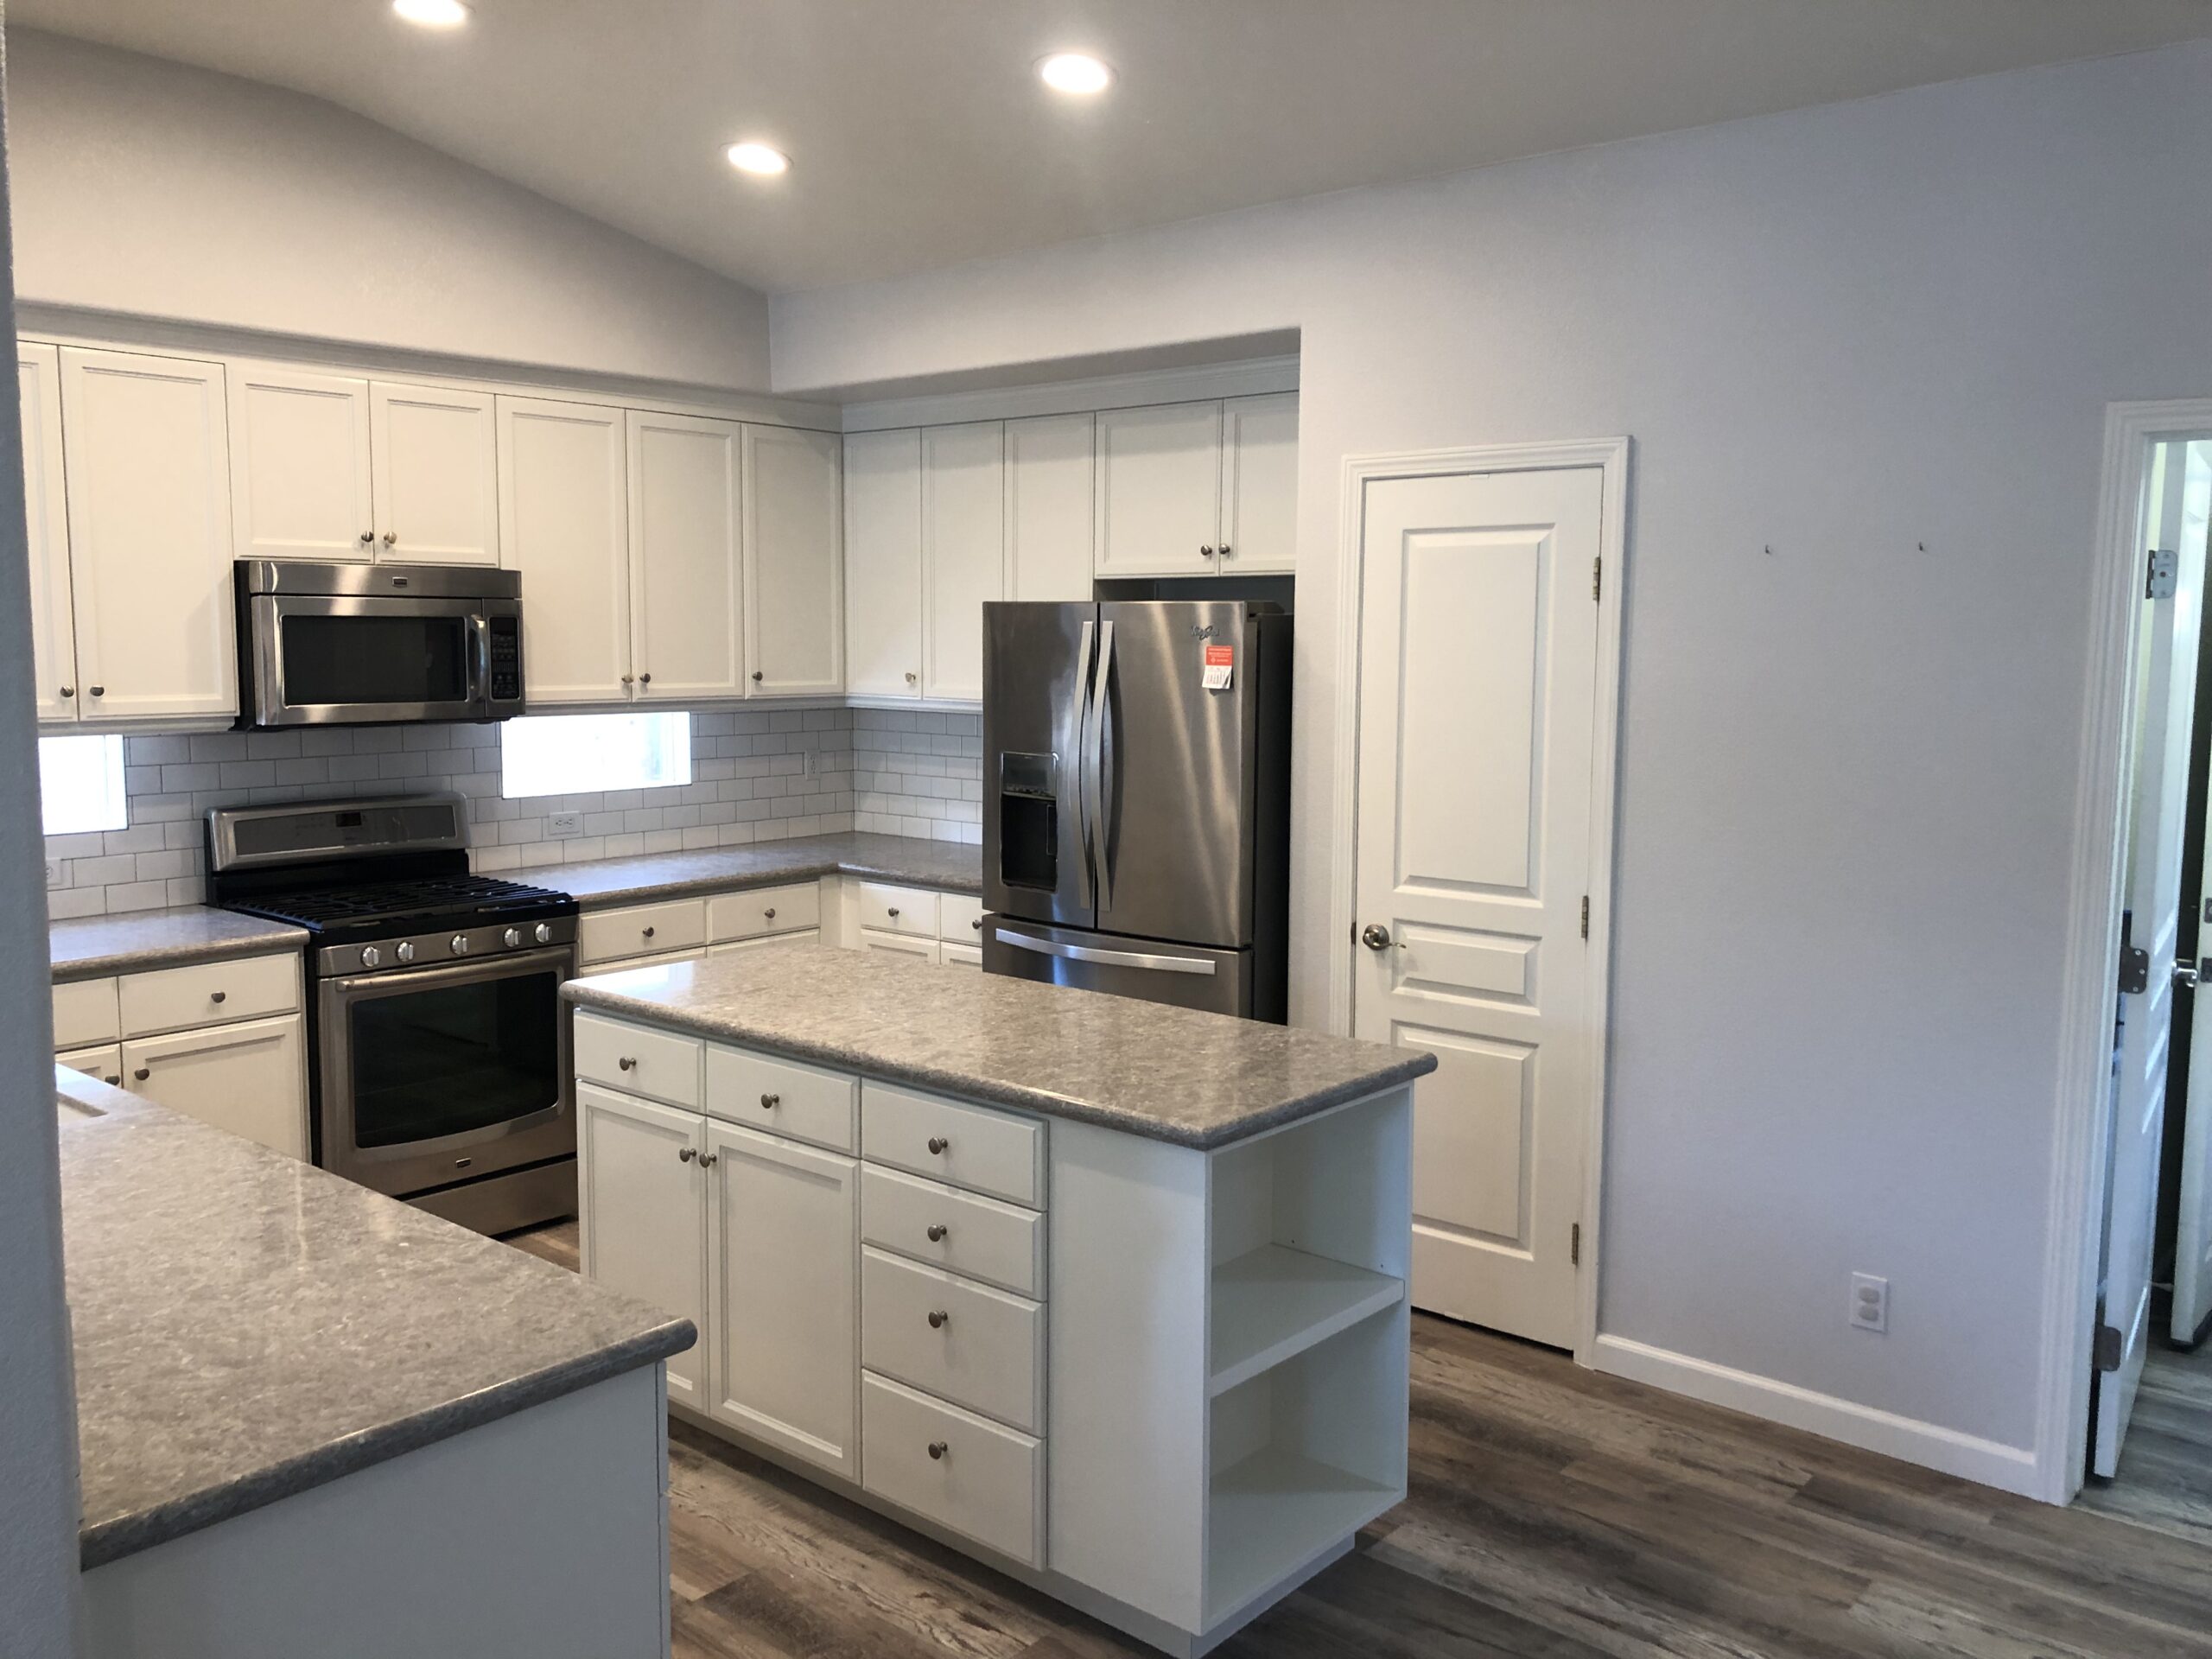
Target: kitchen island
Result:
[311, 1420]
[1108, 1295]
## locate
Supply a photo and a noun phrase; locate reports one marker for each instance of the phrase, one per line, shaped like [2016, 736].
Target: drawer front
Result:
[1003, 1244]
[764, 910]
[208, 993]
[628, 963]
[962, 1146]
[84, 1011]
[986, 1483]
[960, 956]
[642, 930]
[898, 910]
[801, 1103]
[977, 1347]
[959, 919]
[658, 1065]
[900, 944]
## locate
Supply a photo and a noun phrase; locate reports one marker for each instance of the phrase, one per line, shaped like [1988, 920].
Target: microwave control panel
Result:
[506, 659]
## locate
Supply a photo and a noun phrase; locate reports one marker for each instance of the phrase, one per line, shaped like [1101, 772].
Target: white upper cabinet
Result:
[436, 474]
[963, 551]
[46, 517]
[1159, 510]
[145, 451]
[1048, 507]
[1259, 488]
[300, 464]
[564, 527]
[883, 563]
[686, 571]
[794, 561]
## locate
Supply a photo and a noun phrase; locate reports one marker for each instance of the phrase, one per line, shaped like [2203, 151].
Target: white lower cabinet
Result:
[641, 1201]
[249, 1077]
[957, 1468]
[106, 1063]
[900, 944]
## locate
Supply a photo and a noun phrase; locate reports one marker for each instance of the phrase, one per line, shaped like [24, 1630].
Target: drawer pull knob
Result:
[113, 1080]
[769, 1103]
[937, 1230]
[626, 1063]
[770, 912]
[708, 1159]
[649, 932]
[939, 1319]
[217, 996]
[892, 912]
[685, 1154]
[938, 1449]
[940, 1146]
[977, 924]
[100, 690]
[142, 1074]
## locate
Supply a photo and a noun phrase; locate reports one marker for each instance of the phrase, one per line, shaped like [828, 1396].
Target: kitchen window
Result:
[81, 784]
[582, 755]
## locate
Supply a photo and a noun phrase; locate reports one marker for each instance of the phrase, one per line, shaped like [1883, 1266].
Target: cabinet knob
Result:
[939, 1319]
[977, 924]
[68, 690]
[939, 1144]
[937, 1230]
[770, 913]
[1205, 552]
[769, 1103]
[218, 996]
[649, 932]
[117, 1078]
[390, 537]
[707, 1160]
[756, 676]
[892, 913]
[685, 1154]
[142, 1074]
[627, 680]
[100, 690]
[938, 1449]
[645, 679]
[1224, 549]
[367, 535]
[626, 1063]
[911, 676]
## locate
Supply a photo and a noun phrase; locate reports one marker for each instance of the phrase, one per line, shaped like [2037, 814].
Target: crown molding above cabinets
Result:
[1206, 383]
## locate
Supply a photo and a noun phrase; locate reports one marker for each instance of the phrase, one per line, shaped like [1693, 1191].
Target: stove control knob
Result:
[406, 950]
[371, 956]
[513, 936]
[544, 933]
[459, 945]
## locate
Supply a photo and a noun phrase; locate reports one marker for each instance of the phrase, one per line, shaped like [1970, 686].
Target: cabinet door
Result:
[883, 563]
[146, 452]
[46, 517]
[900, 944]
[963, 551]
[299, 464]
[1258, 491]
[435, 468]
[105, 1064]
[794, 559]
[687, 579]
[641, 1204]
[1159, 490]
[1048, 507]
[565, 526]
[782, 1294]
[249, 1078]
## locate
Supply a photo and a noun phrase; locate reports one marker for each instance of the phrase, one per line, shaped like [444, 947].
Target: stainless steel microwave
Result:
[358, 645]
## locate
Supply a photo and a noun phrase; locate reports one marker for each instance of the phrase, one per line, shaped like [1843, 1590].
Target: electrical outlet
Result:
[56, 874]
[1870, 1302]
[561, 825]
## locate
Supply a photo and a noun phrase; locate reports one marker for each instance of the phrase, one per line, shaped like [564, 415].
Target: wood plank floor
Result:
[1552, 1514]
[2165, 1463]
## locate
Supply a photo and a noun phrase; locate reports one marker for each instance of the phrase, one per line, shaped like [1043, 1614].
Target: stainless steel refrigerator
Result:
[1137, 799]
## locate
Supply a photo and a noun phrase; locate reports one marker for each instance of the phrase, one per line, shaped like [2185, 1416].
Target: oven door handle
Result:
[459, 972]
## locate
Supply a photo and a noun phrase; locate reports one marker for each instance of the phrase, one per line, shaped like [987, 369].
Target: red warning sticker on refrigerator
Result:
[1220, 667]
[1220, 656]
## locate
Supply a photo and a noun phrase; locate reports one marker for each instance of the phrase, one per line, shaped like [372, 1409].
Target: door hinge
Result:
[1574, 1245]
[1586, 915]
[1597, 577]
[2166, 574]
[2134, 970]
[2112, 1347]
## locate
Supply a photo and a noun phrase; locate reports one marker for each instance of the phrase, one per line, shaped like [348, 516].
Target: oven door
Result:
[444, 1074]
[336, 659]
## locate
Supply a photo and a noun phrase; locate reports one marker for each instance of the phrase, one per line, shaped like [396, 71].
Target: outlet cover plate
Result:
[54, 874]
[1870, 1302]
[562, 825]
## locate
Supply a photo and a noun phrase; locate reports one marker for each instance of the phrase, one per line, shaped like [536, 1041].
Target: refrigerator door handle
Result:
[1106, 959]
[1083, 895]
[1099, 807]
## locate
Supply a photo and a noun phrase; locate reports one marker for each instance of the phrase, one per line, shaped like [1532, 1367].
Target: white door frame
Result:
[1610, 455]
[2092, 974]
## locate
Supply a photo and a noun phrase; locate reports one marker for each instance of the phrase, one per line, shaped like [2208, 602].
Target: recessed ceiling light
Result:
[1074, 71]
[758, 158]
[432, 14]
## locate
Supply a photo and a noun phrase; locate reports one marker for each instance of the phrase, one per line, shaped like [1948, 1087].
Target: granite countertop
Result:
[951, 866]
[91, 947]
[247, 1326]
[1195, 1079]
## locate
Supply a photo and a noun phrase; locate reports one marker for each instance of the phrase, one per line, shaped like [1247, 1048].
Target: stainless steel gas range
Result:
[439, 1066]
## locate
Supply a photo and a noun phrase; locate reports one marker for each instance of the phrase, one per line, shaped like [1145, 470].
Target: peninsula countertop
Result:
[952, 865]
[247, 1326]
[1199, 1080]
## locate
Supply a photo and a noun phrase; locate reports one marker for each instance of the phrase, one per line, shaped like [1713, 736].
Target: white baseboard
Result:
[2011, 1468]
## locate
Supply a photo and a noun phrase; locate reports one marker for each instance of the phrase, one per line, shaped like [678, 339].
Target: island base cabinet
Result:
[967, 1474]
[249, 1078]
[641, 1199]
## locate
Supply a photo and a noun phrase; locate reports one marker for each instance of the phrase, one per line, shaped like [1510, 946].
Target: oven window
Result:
[432, 1063]
[374, 660]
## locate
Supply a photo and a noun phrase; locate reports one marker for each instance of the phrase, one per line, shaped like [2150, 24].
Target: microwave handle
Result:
[480, 661]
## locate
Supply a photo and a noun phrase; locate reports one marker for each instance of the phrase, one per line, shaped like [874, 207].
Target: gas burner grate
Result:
[391, 900]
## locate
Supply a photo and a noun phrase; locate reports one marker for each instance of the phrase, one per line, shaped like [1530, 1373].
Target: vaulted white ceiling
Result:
[920, 137]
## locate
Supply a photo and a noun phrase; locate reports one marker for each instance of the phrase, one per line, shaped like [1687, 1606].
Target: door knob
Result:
[367, 535]
[685, 1154]
[707, 1160]
[1205, 552]
[645, 679]
[1224, 550]
[100, 690]
[142, 1074]
[756, 676]
[1374, 936]
[68, 690]
[390, 537]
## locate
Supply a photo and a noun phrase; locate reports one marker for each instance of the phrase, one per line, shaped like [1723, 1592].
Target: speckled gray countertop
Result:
[89, 947]
[247, 1327]
[1196, 1080]
[950, 866]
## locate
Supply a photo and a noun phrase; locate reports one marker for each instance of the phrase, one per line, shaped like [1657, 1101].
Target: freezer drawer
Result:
[1183, 976]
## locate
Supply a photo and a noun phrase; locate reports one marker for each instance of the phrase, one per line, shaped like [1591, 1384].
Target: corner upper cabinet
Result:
[1048, 507]
[1197, 489]
[687, 579]
[300, 485]
[565, 526]
[435, 473]
[883, 563]
[794, 561]
[963, 552]
[46, 517]
[145, 453]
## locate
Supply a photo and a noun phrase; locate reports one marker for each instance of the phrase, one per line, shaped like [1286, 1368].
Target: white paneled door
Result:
[794, 561]
[434, 468]
[564, 525]
[963, 551]
[46, 517]
[1477, 694]
[686, 574]
[300, 464]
